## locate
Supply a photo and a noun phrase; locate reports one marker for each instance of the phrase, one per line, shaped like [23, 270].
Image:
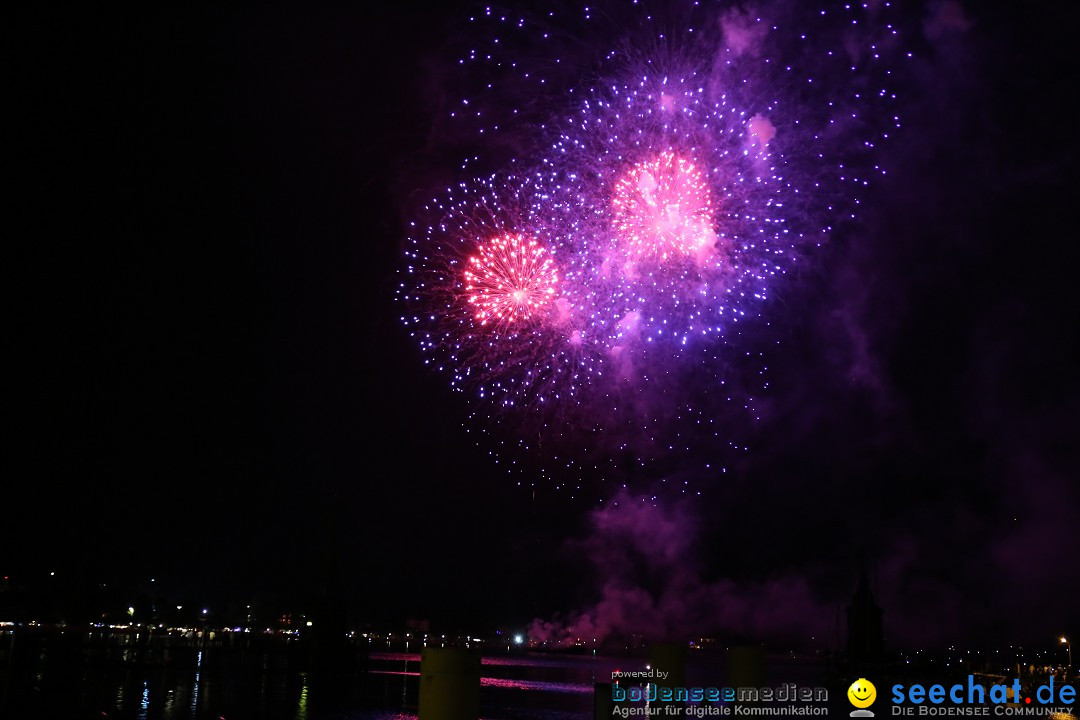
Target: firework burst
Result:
[510, 279]
[600, 289]
[662, 207]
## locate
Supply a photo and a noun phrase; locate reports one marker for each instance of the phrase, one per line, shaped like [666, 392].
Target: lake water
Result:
[215, 685]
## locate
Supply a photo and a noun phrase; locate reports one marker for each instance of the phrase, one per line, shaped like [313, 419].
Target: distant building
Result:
[865, 636]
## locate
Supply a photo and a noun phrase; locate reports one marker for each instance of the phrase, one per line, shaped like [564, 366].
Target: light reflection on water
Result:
[302, 706]
[209, 685]
[195, 691]
[552, 687]
[144, 704]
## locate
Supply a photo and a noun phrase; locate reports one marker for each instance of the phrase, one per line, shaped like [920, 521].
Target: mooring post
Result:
[449, 684]
[669, 659]
[602, 702]
[746, 667]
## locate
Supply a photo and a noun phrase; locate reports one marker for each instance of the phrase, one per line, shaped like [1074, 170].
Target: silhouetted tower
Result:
[865, 635]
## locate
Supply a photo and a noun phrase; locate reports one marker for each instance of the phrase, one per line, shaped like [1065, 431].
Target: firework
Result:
[510, 279]
[662, 207]
[600, 290]
[489, 305]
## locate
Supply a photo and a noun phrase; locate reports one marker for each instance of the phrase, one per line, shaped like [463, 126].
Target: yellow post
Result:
[746, 667]
[449, 684]
[602, 702]
[669, 658]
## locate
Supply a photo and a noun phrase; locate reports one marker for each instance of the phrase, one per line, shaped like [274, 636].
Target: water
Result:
[52, 679]
[54, 682]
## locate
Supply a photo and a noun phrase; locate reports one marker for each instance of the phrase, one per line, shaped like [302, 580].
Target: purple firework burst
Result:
[675, 161]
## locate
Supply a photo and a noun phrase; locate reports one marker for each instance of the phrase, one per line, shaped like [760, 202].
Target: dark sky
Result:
[210, 385]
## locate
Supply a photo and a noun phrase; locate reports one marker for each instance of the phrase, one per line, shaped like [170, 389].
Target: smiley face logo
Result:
[862, 693]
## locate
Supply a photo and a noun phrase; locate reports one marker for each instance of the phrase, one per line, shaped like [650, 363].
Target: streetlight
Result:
[1068, 646]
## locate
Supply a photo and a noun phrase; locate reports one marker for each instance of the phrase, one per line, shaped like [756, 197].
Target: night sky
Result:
[211, 385]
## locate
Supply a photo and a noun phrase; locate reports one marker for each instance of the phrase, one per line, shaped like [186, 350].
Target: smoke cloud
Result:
[644, 556]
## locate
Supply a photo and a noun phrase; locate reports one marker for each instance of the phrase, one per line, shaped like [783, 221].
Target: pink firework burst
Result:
[510, 279]
[662, 208]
